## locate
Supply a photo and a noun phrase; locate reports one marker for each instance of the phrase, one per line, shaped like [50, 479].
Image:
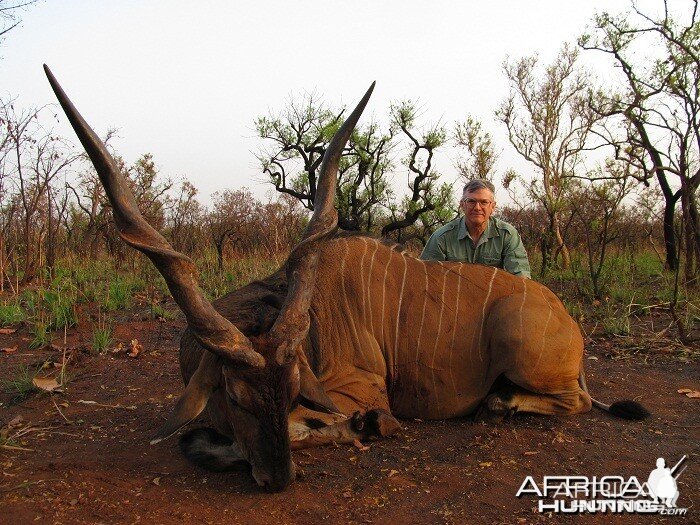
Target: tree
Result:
[184, 215]
[660, 105]
[91, 217]
[36, 158]
[229, 221]
[297, 135]
[297, 138]
[279, 224]
[597, 210]
[364, 183]
[424, 195]
[549, 122]
[481, 160]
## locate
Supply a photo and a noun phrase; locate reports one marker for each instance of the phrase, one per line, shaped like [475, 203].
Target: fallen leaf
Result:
[689, 392]
[47, 384]
[393, 472]
[592, 358]
[15, 422]
[485, 464]
[5, 331]
[136, 348]
[10, 350]
[529, 453]
[156, 481]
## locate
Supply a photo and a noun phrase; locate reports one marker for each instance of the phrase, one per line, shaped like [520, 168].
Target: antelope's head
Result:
[263, 376]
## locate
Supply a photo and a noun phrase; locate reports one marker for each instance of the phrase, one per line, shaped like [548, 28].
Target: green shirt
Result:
[498, 246]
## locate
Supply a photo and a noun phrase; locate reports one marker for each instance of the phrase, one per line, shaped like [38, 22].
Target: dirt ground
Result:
[82, 455]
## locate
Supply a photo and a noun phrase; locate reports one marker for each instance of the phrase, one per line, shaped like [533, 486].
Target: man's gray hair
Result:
[479, 184]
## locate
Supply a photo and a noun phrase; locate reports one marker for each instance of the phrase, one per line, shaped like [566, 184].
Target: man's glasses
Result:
[473, 202]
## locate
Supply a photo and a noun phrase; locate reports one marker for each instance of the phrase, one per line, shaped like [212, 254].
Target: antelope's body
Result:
[420, 339]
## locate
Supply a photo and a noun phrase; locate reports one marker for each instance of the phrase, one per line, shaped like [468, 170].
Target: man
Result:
[477, 237]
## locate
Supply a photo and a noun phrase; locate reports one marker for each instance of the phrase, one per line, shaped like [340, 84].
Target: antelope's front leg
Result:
[308, 428]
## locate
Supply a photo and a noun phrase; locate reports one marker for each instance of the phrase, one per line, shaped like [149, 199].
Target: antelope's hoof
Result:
[374, 423]
[494, 409]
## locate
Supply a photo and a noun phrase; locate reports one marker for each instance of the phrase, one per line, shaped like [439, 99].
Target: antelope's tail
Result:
[624, 409]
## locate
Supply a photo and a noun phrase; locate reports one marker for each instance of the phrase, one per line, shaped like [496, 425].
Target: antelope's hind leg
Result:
[510, 399]
[308, 428]
[538, 347]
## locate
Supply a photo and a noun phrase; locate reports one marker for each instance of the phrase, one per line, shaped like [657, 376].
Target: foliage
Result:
[296, 139]
[482, 156]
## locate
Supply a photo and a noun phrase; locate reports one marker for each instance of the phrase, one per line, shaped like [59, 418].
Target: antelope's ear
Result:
[311, 390]
[195, 397]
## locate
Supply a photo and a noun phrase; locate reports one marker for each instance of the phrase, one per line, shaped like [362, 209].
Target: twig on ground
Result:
[59, 411]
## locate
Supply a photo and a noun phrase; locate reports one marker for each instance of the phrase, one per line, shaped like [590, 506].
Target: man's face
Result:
[477, 207]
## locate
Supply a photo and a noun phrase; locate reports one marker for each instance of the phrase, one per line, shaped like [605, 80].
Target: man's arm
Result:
[433, 250]
[515, 258]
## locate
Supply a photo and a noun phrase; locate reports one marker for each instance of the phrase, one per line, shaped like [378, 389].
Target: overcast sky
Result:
[186, 80]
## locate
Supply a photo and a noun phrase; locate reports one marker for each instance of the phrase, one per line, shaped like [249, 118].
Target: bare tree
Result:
[597, 210]
[229, 222]
[37, 158]
[279, 224]
[183, 216]
[660, 104]
[9, 14]
[549, 122]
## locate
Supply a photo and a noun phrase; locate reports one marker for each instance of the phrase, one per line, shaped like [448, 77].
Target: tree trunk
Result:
[670, 242]
[693, 234]
[545, 251]
[561, 245]
[220, 255]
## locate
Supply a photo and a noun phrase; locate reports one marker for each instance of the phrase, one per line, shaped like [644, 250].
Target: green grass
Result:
[11, 313]
[59, 303]
[159, 312]
[119, 294]
[237, 272]
[101, 338]
[41, 335]
[21, 385]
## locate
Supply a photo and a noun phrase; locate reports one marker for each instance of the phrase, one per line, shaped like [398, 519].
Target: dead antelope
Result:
[349, 331]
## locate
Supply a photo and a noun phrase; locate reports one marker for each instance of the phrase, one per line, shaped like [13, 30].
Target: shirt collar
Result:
[490, 232]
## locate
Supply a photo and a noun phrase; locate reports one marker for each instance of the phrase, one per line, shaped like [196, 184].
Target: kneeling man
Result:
[477, 237]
